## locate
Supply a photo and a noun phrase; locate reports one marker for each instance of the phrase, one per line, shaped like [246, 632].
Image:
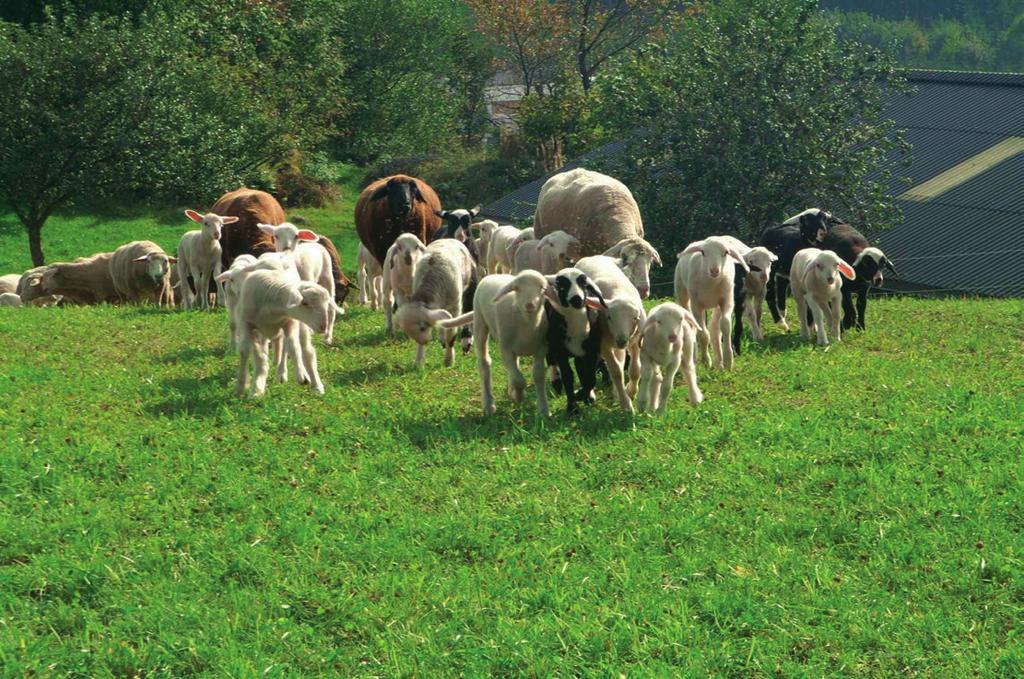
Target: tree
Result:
[761, 112]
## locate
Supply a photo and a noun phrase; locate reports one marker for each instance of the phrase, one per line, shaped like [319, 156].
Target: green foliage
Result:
[761, 113]
[797, 523]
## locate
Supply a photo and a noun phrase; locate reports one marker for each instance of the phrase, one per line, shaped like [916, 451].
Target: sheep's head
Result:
[408, 249]
[713, 254]
[870, 263]
[559, 248]
[759, 261]
[212, 224]
[572, 289]
[670, 322]
[528, 287]
[158, 265]
[401, 192]
[486, 227]
[457, 223]
[417, 321]
[827, 266]
[635, 256]
[286, 236]
[814, 224]
[624, 320]
[310, 304]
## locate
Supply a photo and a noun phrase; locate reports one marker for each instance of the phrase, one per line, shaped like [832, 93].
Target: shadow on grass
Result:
[188, 354]
[193, 396]
[374, 372]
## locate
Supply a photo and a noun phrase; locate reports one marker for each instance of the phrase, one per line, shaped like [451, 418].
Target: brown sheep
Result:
[392, 206]
[252, 208]
[87, 280]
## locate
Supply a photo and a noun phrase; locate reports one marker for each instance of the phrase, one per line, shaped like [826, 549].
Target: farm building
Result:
[966, 197]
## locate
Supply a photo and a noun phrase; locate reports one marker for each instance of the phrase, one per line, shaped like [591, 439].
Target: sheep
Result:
[9, 283]
[667, 342]
[312, 261]
[511, 308]
[29, 285]
[497, 248]
[634, 257]
[486, 228]
[242, 236]
[370, 279]
[10, 299]
[868, 262]
[525, 235]
[804, 230]
[573, 332]
[399, 264]
[528, 257]
[816, 284]
[87, 280]
[141, 272]
[704, 280]
[601, 212]
[440, 278]
[621, 322]
[231, 282]
[458, 224]
[750, 288]
[392, 206]
[558, 249]
[272, 304]
[199, 257]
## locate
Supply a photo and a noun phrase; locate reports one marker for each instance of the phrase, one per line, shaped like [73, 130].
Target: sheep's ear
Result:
[194, 216]
[475, 211]
[441, 213]
[294, 298]
[888, 265]
[34, 281]
[228, 220]
[380, 192]
[656, 257]
[735, 255]
[172, 260]
[223, 278]
[689, 318]
[616, 250]
[697, 246]
[648, 324]
[596, 303]
[416, 194]
[306, 234]
[507, 290]
[267, 229]
[772, 257]
[551, 295]
[143, 258]
[435, 316]
[847, 271]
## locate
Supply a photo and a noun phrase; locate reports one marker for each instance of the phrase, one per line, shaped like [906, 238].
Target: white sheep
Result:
[141, 273]
[399, 264]
[9, 283]
[10, 299]
[667, 344]
[755, 282]
[524, 236]
[231, 282]
[549, 254]
[370, 279]
[816, 281]
[704, 280]
[440, 278]
[273, 305]
[497, 248]
[511, 308]
[199, 256]
[527, 257]
[486, 227]
[621, 323]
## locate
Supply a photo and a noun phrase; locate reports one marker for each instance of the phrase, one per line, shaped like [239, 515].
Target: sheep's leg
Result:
[516, 381]
[634, 368]
[690, 371]
[539, 385]
[739, 297]
[421, 355]
[309, 358]
[281, 345]
[361, 275]
[755, 316]
[244, 354]
[292, 342]
[217, 271]
[801, 313]
[483, 363]
[862, 306]
[586, 368]
[819, 318]
[834, 318]
[389, 308]
[614, 359]
[376, 292]
[202, 280]
[725, 323]
[186, 291]
[715, 330]
[781, 286]
[448, 341]
[668, 378]
[567, 379]
[703, 336]
[332, 317]
[646, 397]
[262, 366]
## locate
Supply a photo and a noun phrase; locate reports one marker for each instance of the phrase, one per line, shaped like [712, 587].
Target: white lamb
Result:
[199, 257]
[524, 236]
[231, 282]
[511, 308]
[497, 248]
[10, 299]
[755, 283]
[486, 227]
[667, 343]
[621, 323]
[440, 278]
[816, 281]
[399, 264]
[370, 279]
[704, 280]
[270, 306]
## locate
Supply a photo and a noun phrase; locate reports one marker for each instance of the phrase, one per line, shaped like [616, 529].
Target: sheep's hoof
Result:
[587, 398]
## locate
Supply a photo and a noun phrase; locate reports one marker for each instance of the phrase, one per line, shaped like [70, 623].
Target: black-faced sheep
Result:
[868, 263]
[392, 206]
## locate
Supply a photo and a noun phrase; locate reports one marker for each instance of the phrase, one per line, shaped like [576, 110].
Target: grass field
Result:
[850, 511]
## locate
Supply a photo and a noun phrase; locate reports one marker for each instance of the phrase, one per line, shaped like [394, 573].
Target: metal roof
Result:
[957, 123]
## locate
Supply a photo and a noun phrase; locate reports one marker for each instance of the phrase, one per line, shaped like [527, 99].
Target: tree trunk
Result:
[35, 242]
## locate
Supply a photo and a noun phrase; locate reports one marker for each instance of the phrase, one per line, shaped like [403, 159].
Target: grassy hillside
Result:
[849, 511]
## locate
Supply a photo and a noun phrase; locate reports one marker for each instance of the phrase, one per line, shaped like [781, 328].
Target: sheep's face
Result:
[312, 307]
[635, 256]
[870, 263]
[572, 289]
[400, 194]
[486, 227]
[529, 288]
[457, 223]
[714, 254]
[408, 250]
[814, 226]
[760, 260]
[417, 321]
[671, 323]
[212, 224]
[286, 236]
[624, 321]
[560, 248]
[828, 267]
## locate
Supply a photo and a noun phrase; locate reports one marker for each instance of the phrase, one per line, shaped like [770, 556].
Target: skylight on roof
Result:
[965, 171]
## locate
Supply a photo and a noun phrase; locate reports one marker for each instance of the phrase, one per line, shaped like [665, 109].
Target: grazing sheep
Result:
[141, 273]
[10, 299]
[370, 279]
[511, 308]
[815, 277]
[868, 262]
[399, 264]
[621, 322]
[704, 280]
[440, 278]
[601, 212]
[273, 304]
[667, 342]
[199, 258]
[9, 283]
[804, 230]
[87, 280]
[392, 206]
[571, 306]
[498, 246]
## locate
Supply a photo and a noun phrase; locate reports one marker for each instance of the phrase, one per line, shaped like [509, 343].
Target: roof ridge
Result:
[1005, 79]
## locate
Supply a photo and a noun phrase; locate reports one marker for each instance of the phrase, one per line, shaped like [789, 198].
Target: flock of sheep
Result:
[567, 292]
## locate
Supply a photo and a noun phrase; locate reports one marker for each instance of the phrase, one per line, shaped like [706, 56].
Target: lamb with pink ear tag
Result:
[817, 280]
